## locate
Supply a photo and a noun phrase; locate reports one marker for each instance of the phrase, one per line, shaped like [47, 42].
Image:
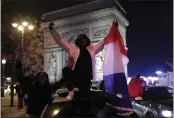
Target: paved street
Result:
[11, 112]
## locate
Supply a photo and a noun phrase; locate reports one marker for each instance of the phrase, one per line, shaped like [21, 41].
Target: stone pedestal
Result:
[95, 23]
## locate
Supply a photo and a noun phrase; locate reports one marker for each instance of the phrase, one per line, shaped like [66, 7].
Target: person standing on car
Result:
[83, 55]
[39, 95]
[135, 87]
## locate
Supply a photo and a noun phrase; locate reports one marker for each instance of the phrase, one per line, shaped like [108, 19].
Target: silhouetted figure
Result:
[39, 95]
[20, 97]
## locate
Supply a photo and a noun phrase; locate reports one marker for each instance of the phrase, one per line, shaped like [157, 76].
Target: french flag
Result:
[115, 60]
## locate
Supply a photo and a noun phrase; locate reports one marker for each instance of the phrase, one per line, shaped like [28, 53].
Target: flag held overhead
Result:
[115, 60]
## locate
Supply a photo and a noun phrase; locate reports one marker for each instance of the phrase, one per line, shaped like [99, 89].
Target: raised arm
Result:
[99, 46]
[62, 43]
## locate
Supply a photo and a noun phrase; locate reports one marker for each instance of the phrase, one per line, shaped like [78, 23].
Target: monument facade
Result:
[93, 19]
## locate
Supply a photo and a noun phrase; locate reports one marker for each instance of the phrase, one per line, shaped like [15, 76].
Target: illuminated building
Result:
[94, 19]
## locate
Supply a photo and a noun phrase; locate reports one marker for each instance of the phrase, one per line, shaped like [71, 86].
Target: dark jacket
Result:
[38, 98]
[19, 91]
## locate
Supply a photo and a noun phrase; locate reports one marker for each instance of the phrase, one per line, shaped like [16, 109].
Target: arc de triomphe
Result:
[94, 19]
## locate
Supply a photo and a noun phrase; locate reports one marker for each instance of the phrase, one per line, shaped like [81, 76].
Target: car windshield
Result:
[158, 93]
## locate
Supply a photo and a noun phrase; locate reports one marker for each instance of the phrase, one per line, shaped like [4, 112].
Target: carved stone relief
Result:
[70, 35]
[100, 32]
[49, 41]
[99, 61]
[52, 64]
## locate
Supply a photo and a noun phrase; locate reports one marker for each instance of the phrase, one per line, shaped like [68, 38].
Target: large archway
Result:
[92, 19]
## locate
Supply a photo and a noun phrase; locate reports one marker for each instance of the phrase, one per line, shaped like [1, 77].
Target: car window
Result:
[157, 93]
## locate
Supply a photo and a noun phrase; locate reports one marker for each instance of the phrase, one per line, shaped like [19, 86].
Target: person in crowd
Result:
[135, 87]
[66, 73]
[83, 56]
[39, 95]
[2, 91]
[20, 96]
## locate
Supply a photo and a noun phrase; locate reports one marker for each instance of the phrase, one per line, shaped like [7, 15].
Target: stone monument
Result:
[93, 19]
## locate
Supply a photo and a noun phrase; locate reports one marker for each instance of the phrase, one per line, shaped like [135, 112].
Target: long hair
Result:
[78, 40]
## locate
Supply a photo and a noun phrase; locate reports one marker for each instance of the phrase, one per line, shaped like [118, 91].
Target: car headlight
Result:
[167, 113]
[55, 112]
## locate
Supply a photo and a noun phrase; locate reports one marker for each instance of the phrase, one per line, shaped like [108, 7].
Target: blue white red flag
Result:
[115, 60]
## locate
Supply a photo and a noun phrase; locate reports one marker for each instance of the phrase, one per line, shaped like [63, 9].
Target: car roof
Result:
[153, 86]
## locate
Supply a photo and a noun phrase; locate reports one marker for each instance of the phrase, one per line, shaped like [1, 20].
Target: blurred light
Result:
[167, 113]
[56, 112]
[119, 95]
[3, 61]
[24, 23]
[158, 72]
[126, 48]
[8, 78]
[128, 80]
[30, 27]
[20, 28]
[14, 24]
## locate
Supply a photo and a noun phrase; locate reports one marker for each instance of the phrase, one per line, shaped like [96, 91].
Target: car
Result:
[93, 106]
[157, 102]
[64, 92]
[95, 88]
[7, 89]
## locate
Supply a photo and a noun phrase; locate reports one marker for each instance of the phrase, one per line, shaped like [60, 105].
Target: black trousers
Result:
[20, 102]
[81, 82]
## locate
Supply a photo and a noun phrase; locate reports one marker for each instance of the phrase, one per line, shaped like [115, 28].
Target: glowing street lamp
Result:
[8, 79]
[30, 27]
[14, 24]
[3, 69]
[25, 24]
[22, 29]
[159, 72]
[3, 61]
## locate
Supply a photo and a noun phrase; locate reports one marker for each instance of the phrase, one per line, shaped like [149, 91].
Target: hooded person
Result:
[83, 56]
[135, 87]
[39, 95]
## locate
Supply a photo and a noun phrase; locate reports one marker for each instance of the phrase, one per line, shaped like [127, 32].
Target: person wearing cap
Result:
[39, 95]
[83, 56]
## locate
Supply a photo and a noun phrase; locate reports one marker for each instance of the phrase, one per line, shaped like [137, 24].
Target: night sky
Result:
[149, 35]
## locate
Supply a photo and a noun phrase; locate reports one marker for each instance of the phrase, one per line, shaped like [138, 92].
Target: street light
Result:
[159, 72]
[3, 61]
[22, 29]
[24, 23]
[14, 24]
[8, 79]
[3, 65]
[30, 27]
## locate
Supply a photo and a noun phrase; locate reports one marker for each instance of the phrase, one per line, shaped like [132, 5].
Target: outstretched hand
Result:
[51, 25]
[115, 23]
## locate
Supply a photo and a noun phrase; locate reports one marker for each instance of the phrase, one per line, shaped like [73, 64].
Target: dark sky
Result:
[149, 36]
